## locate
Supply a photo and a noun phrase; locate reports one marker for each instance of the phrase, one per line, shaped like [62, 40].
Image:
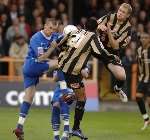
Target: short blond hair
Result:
[127, 6]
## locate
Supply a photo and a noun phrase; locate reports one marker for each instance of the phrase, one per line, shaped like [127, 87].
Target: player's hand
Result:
[85, 72]
[68, 98]
[108, 27]
[53, 63]
[102, 27]
[54, 44]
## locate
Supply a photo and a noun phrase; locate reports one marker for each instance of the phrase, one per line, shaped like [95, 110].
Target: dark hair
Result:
[91, 25]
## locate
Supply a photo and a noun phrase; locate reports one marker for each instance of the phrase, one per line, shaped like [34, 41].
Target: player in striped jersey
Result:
[73, 59]
[80, 46]
[143, 89]
[114, 32]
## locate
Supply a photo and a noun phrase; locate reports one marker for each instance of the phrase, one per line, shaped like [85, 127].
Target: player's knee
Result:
[29, 94]
[120, 75]
[117, 71]
[139, 97]
[56, 104]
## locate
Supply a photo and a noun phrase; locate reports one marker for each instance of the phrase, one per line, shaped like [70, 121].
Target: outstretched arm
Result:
[45, 56]
[54, 45]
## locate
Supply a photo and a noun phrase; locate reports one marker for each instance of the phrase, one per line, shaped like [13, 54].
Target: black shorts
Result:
[74, 81]
[113, 59]
[109, 60]
[144, 88]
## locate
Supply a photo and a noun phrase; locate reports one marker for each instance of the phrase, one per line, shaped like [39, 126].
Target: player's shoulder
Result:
[56, 34]
[128, 23]
[36, 36]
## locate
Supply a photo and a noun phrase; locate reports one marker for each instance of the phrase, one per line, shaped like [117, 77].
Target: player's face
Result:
[50, 28]
[122, 13]
[145, 40]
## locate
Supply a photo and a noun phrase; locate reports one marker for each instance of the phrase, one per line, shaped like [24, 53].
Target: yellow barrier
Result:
[12, 77]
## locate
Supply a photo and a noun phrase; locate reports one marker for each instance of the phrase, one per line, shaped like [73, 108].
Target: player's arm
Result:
[99, 52]
[53, 46]
[45, 55]
[125, 38]
[114, 43]
[97, 47]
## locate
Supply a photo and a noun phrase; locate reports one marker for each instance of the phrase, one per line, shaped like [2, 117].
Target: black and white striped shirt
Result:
[81, 46]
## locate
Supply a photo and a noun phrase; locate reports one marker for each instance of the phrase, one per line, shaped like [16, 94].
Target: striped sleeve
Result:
[124, 38]
[98, 48]
[104, 19]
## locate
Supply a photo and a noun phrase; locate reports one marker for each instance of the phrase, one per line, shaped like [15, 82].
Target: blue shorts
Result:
[32, 71]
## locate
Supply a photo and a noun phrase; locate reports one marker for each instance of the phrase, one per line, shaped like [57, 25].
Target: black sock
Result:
[142, 108]
[119, 83]
[79, 112]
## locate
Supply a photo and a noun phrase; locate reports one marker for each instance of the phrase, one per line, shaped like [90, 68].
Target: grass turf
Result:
[96, 125]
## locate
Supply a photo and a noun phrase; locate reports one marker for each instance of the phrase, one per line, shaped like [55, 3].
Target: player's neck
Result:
[45, 33]
[47, 36]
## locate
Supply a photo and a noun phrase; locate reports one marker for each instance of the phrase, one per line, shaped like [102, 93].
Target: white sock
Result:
[21, 120]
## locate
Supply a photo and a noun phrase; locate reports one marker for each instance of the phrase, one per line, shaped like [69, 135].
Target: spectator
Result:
[15, 29]
[38, 25]
[4, 23]
[1, 43]
[64, 19]
[142, 17]
[53, 13]
[35, 14]
[148, 27]
[40, 7]
[13, 14]
[18, 50]
[106, 9]
[127, 63]
[25, 25]
[21, 7]
[61, 8]
[83, 21]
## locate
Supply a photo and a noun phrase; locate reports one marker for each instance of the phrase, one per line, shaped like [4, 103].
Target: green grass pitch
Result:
[96, 125]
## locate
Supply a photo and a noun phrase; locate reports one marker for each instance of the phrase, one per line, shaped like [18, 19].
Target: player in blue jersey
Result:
[62, 98]
[60, 107]
[33, 69]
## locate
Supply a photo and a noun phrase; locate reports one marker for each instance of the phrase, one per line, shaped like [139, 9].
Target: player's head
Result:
[124, 11]
[70, 29]
[145, 40]
[50, 26]
[91, 25]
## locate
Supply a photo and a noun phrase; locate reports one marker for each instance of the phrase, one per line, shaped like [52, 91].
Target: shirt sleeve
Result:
[104, 19]
[98, 48]
[58, 37]
[125, 38]
[35, 46]
[96, 45]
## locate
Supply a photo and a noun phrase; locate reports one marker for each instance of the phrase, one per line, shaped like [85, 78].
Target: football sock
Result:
[55, 122]
[142, 108]
[23, 113]
[79, 112]
[65, 117]
[119, 83]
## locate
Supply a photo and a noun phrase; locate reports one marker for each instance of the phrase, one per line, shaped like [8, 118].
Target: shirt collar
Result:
[47, 37]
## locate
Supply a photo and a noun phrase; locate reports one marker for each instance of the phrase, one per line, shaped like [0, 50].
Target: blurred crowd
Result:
[20, 19]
